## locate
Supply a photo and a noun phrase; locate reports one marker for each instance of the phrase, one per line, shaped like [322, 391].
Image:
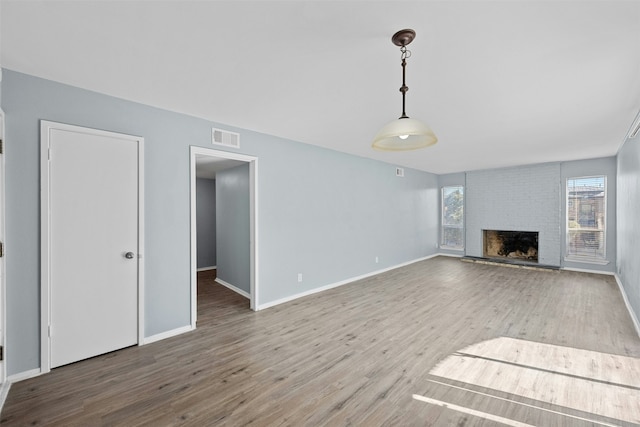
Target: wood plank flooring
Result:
[364, 354]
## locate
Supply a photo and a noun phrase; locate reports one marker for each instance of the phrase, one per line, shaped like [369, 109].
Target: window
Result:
[452, 231]
[586, 220]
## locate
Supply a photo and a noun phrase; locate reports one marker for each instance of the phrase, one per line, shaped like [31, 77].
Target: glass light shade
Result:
[404, 134]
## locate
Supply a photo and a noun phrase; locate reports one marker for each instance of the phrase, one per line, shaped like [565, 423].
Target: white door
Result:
[93, 242]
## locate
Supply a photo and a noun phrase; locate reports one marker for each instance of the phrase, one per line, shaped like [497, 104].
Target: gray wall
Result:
[206, 222]
[233, 243]
[322, 213]
[526, 198]
[355, 209]
[628, 207]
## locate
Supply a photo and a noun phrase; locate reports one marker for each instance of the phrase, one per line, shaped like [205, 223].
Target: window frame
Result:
[442, 224]
[596, 259]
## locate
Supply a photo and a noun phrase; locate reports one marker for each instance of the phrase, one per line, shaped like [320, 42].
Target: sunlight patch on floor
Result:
[596, 383]
[473, 412]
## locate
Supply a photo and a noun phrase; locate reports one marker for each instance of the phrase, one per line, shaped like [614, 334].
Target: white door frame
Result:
[45, 243]
[253, 223]
[3, 270]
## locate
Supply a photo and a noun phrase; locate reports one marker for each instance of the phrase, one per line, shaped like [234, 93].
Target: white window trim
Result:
[452, 248]
[586, 260]
[581, 258]
[442, 226]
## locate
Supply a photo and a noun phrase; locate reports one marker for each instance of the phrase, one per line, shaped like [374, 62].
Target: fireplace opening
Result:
[511, 245]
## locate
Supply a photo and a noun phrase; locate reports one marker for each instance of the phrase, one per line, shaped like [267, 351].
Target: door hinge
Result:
[1, 353]
[1, 249]
[1, 146]
[49, 331]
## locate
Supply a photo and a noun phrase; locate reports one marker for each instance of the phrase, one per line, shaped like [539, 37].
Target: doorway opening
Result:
[231, 171]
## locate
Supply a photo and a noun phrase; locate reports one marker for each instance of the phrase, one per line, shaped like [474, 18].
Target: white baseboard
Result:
[21, 376]
[634, 318]
[167, 334]
[207, 268]
[586, 270]
[4, 392]
[233, 288]
[340, 283]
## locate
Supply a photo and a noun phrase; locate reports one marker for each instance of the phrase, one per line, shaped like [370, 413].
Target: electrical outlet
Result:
[299, 277]
[376, 260]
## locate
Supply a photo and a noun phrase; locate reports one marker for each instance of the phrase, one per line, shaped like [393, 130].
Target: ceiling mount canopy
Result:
[403, 37]
[404, 133]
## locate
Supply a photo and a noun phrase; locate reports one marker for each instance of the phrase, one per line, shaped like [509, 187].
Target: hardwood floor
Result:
[393, 349]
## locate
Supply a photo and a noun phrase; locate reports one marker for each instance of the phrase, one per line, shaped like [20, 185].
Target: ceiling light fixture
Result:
[404, 133]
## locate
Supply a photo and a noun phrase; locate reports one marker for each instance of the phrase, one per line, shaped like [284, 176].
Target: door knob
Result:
[128, 255]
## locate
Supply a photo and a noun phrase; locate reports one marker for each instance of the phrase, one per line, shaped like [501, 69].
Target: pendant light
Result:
[404, 133]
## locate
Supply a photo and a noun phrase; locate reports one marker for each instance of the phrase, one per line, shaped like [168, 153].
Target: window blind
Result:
[586, 217]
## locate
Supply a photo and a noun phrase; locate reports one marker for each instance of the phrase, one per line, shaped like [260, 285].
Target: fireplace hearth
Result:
[511, 245]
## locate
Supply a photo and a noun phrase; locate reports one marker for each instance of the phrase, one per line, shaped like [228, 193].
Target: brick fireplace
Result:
[525, 198]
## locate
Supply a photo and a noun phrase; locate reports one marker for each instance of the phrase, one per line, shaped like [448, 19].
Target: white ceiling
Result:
[207, 166]
[501, 83]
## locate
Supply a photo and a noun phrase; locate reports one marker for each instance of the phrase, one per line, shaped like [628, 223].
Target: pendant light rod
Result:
[402, 38]
[404, 87]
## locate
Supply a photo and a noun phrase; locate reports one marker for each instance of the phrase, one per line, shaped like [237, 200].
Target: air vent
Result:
[225, 138]
[635, 127]
[399, 172]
